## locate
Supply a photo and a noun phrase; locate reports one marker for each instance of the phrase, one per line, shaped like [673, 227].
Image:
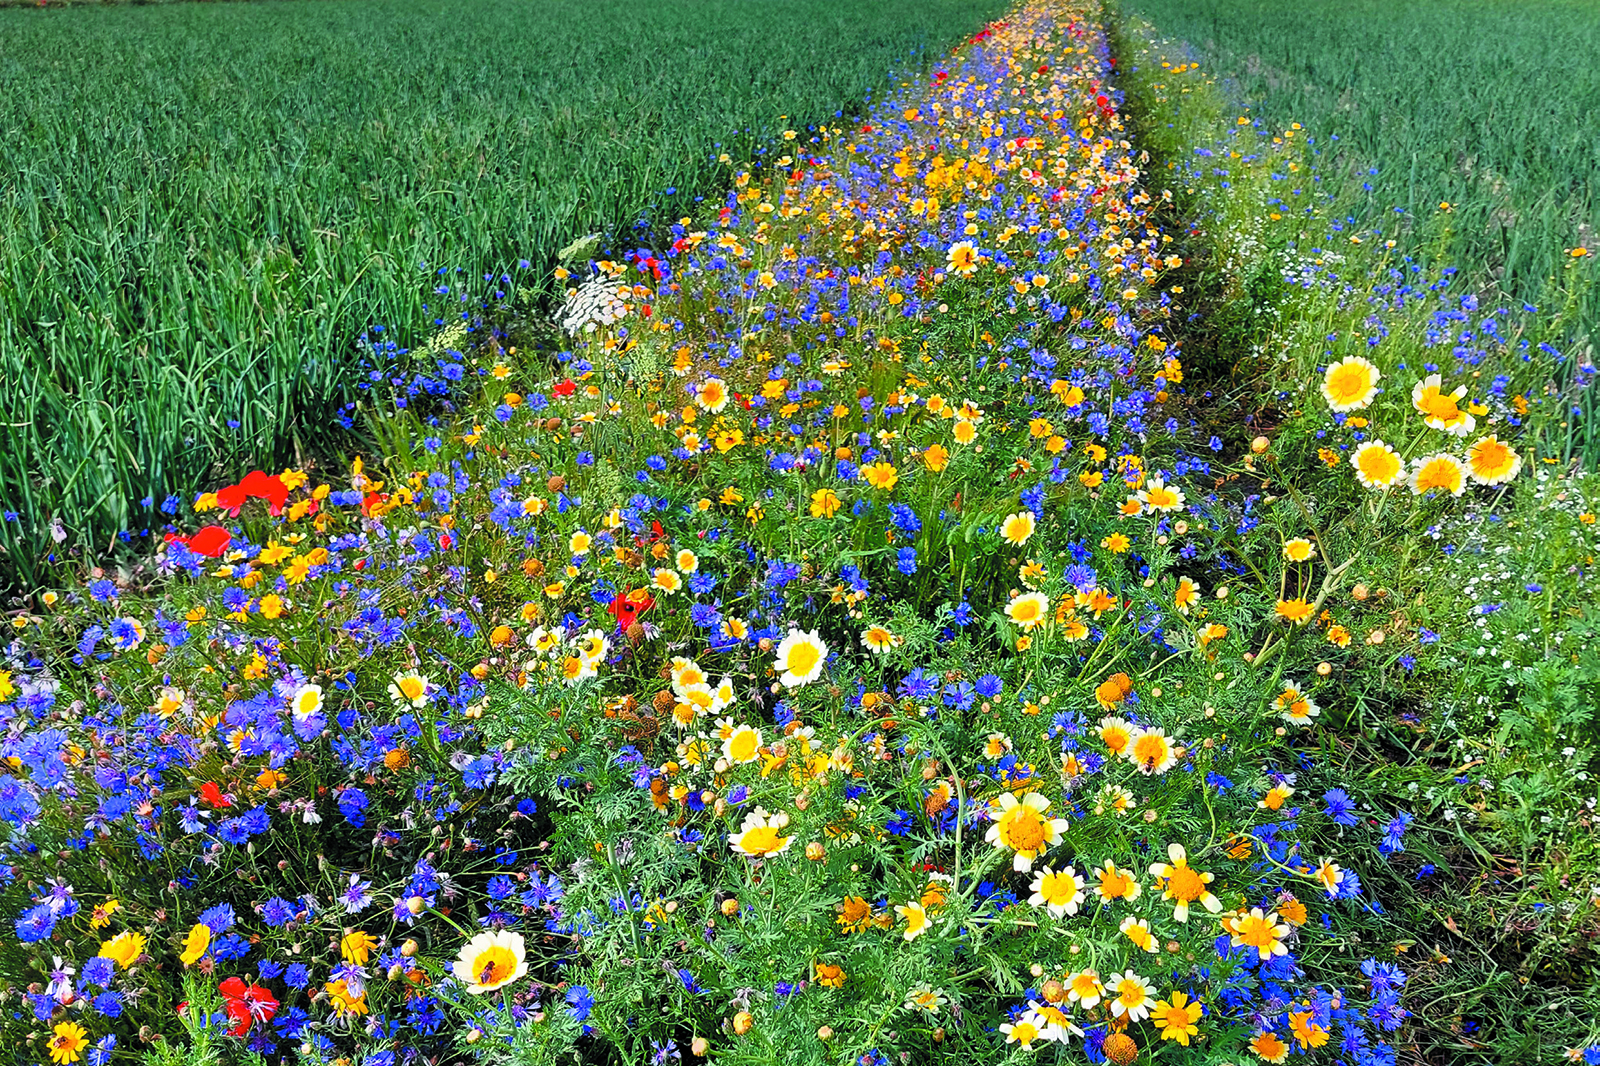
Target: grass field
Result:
[203, 205]
[1488, 107]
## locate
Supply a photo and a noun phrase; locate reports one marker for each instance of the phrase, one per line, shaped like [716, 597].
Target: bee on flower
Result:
[961, 258]
[490, 961]
[67, 1041]
[593, 646]
[1031, 1027]
[1151, 751]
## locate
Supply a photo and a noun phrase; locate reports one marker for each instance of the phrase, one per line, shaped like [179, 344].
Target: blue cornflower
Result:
[1392, 833]
[1338, 806]
[904, 518]
[353, 805]
[581, 1002]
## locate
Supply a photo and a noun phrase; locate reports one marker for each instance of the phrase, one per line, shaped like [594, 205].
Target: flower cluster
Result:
[845, 641]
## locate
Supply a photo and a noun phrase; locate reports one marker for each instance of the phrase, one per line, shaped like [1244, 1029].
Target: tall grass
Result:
[202, 206]
[1487, 106]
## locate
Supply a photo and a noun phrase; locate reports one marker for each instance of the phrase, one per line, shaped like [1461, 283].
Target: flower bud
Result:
[743, 1022]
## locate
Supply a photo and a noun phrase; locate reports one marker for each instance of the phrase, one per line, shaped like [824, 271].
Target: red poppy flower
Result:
[213, 795]
[246, 1004]
[626, 607]
[231, 498]
[211, 541]
[371, 500]
[269, 487]
[566, 387]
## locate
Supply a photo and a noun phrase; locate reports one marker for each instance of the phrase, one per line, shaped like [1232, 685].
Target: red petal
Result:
[211, 541]
[232, 498]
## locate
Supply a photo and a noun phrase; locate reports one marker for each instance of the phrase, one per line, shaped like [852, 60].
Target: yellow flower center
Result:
[761, 840]
[1058, 888]
[494, 966]
[1348, 382]
[1024, 829]
[1184, 884]
[1256, 932]
[802, 658]
[1438, 406]
[1150, 750]
[743, 746]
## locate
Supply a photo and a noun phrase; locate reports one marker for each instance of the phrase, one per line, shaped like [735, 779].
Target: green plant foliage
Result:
[202, 206]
